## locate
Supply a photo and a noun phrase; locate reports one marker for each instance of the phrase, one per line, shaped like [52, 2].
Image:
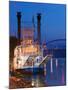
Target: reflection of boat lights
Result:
[62, 77]
[51, 65]
[56, 63]
[37, 82]
[44, 69]
[32, 83]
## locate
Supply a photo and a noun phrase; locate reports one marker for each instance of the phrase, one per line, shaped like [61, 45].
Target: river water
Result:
[55, 74]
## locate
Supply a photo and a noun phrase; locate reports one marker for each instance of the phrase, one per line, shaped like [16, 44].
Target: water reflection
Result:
[38, 80]
[56, 77]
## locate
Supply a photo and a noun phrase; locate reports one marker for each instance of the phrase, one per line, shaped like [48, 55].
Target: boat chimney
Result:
[38, 27]
[19, 26]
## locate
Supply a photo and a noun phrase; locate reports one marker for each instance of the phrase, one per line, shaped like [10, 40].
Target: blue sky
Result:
[53, 16]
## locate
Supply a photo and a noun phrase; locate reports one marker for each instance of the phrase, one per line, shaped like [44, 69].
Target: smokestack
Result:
[38, 27]
[19, 26]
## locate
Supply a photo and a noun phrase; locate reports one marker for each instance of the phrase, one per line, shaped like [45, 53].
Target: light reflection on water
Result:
[38, 81]
[57, 77]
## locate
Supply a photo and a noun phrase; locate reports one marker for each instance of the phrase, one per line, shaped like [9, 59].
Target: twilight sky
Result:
[53, 16]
